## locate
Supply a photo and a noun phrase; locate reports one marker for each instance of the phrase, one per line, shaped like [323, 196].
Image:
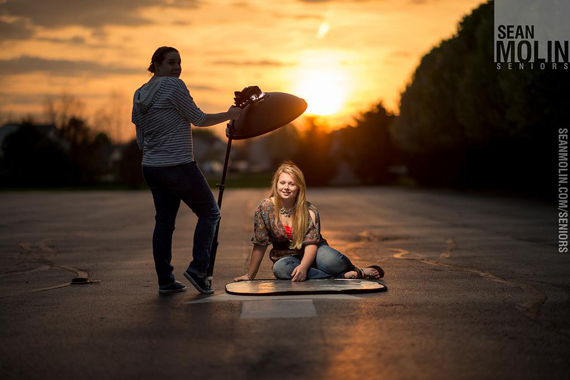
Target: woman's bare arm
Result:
[217, 118]
[257, 254]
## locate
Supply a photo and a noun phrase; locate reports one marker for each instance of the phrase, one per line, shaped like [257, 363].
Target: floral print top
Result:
[268, 229]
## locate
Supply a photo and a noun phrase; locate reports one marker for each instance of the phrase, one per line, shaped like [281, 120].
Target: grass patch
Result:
[239, 180]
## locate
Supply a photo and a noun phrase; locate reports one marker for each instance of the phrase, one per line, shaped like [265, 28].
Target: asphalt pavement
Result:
[476, 290]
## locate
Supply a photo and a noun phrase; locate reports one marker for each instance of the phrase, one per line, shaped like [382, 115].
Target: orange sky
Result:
[341, 56]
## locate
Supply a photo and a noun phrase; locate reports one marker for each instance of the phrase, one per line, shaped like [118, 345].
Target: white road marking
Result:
[278, 309]
[231, 297]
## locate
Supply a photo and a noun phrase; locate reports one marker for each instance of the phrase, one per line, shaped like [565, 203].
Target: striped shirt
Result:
[163, 112]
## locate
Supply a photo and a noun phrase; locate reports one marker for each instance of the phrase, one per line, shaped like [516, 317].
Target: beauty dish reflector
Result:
[268, 112]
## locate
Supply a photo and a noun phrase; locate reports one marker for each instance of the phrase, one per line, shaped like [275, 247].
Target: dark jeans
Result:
[169, 185]
[328, 263]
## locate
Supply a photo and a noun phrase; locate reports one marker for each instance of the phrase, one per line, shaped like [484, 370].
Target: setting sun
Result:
[323, 90]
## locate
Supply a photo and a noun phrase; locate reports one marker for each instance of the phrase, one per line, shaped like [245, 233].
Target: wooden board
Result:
[326, 286]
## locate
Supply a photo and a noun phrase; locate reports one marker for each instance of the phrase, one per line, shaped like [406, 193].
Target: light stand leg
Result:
[221, 186]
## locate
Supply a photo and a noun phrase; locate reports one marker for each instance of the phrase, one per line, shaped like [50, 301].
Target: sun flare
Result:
[323, 90]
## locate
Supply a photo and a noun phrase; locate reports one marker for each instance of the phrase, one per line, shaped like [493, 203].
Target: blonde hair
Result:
[300, 213]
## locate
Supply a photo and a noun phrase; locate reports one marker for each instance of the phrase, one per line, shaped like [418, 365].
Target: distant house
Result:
[5, 131]
[260, 155]
[345, 173]
[209, 150]
[48, 130]
[265, 152]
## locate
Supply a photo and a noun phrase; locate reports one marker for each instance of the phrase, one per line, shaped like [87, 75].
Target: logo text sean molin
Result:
[516, 44]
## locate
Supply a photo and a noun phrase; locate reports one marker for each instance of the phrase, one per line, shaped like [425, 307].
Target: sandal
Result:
[360, 273]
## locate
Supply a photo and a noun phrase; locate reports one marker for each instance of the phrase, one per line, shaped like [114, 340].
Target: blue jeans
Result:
[169, 185]
[328, 263]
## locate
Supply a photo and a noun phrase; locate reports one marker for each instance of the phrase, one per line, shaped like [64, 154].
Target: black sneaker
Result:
[173, 288]
[201, 284]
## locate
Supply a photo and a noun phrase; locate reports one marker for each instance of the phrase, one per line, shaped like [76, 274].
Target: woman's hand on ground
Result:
[299, 274]
[245, 277]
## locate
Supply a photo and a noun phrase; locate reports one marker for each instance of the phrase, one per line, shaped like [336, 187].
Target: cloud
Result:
[16, 30]
[203, 87]
[362, 1]
[74, 41]
[241, 4]
[88, 13]
[77, 40]
[309, 17]
[181, 23]
[401, 54]
[263, 62]
[333, 1]
[21, 99]
[61, 68]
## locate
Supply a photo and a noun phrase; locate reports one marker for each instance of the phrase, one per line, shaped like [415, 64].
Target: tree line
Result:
[464, 123]
[63, 151]
[67, 151]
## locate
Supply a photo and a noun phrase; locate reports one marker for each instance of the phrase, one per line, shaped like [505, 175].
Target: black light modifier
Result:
[264, 112]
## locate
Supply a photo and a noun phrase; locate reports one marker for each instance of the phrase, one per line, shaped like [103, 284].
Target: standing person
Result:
[163, 112]
[292, 225]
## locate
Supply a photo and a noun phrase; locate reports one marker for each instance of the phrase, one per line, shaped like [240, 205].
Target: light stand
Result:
[247, 96]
